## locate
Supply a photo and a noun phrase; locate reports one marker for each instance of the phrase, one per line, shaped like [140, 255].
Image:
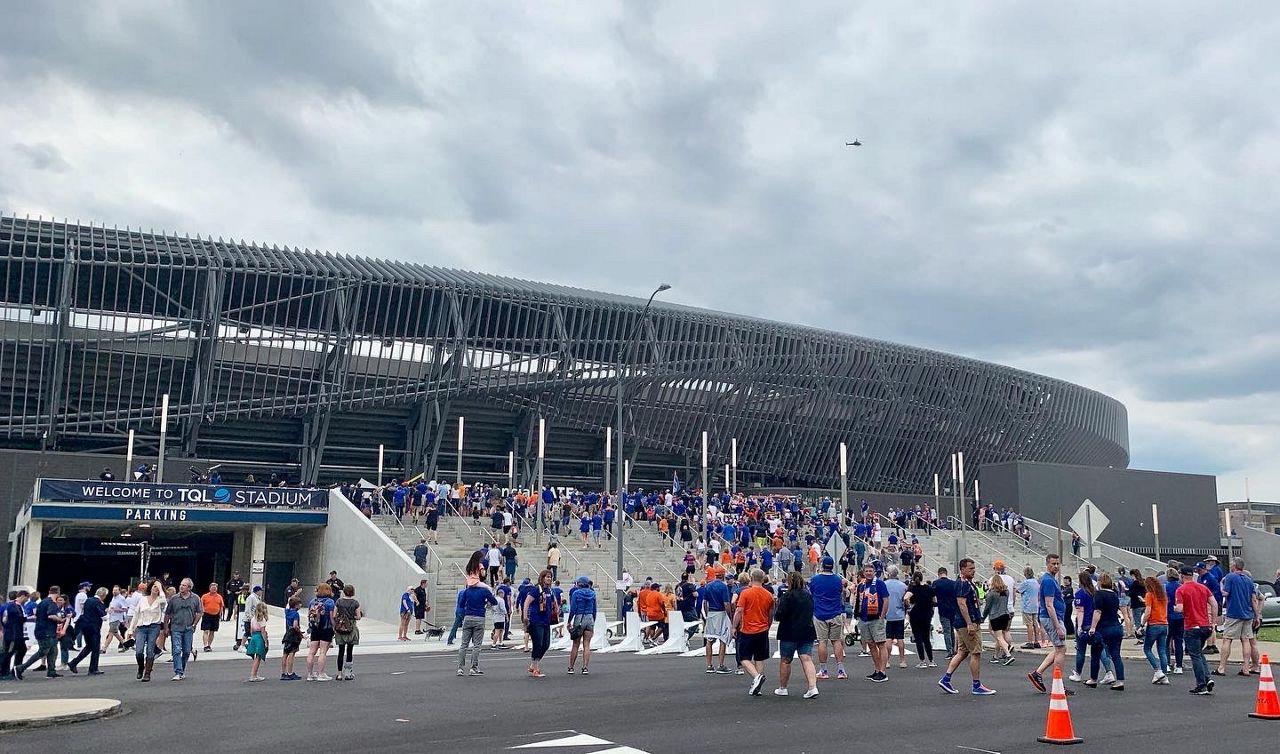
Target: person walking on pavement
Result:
[828, 618]
[1155, 631]
[473, 602]
[944, 590]
[145, 627]
[540, 612]
[92, 613]
[14, 645]
[48, 618]
[581, 622]
[1242, 606]
[182, 615]
[921, 600]
[1106, 628]
[1052, 612]
[797, 630]
[1199, 611]
[751, 621]
[715, 627]
[968, 637]
[872, 604]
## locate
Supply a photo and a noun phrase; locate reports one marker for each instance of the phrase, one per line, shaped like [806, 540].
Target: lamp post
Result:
[733, 461]
[460, 428]
[511, 470]
[844, 481]
[608, 454]
[964, 511]
[128, 459]
[624, 464]
[382, 450]
[164, 434]
[542, 451]
[706, 481]
[1155, 526]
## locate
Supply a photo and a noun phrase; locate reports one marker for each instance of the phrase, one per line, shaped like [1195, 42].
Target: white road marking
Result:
[399, 672]
[401, 720]
[581, 739]
[966, 748]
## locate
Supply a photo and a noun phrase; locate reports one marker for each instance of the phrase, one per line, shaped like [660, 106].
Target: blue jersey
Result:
[827, 590]
[1049, 589]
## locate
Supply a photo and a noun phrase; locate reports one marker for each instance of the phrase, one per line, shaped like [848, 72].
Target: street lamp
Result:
[623, 462]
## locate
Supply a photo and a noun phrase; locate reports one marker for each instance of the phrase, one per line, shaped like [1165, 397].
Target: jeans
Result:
[92, 648]
[948, 633]
[1098, 654]
[1195, 638]
[1157, 635]
[457, 623]
[1111, 638]
[47, 651]
[1176, 644]
[180, 645]
[472, 639]
[145, 641]
[11, 654]
[540, 633]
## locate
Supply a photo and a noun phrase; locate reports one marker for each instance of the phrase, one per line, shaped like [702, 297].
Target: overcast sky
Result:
[1074, 189]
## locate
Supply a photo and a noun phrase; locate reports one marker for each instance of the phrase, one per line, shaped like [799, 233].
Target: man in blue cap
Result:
[828, 616]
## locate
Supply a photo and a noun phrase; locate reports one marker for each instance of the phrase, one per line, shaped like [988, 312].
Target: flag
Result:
[675, 483]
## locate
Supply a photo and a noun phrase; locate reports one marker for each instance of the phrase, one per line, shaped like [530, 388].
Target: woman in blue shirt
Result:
[1108, 627]
[581, 622]
[540, 611]
[1084, 606]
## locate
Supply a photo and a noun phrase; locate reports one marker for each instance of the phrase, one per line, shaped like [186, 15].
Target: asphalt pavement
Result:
[631, 705]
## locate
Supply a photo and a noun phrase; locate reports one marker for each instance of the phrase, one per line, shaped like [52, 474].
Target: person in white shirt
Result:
[117, 613]
[131, 609]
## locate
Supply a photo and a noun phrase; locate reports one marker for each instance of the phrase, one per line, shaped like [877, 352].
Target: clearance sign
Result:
[138, 494]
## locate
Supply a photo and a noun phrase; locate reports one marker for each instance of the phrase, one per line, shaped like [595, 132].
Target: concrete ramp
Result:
[367, 558]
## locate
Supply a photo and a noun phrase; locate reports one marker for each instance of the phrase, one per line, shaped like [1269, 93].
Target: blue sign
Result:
[166, 514]
[140, 493]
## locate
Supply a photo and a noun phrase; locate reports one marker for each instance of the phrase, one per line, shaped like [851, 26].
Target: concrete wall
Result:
[364, 556]
[1261, 552]
[1188, 502]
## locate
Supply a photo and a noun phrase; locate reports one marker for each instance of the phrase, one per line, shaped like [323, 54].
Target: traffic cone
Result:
[1268, 706]
[1057, 729]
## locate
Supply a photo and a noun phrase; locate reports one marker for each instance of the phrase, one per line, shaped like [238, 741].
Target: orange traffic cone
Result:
[1057, 729]
[1268, 706]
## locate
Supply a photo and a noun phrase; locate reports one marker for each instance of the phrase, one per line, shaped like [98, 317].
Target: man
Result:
[420, 606]
[1208, 573]
[1243, 608]
[131, 609]
[1027, 590]
[433, 519]
[1199, 610]
[115, 617]
[294, 587]
[92, 613]
[896, 617]
[873, 598]
[716, 628]
[510, 559]
[47, 618]
[106, 475]
[420, 554]
[250, 604]
[211, 605]
[333, 581]
[14, 645]
[968, 635]
[181, 616]
[945, 589]
[751, 623]
[82, 594]
[828, 617]
[234, 586]
[1052, 611]
[494, 560]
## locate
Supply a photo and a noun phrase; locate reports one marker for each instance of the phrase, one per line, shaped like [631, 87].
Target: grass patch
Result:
[1269, 633]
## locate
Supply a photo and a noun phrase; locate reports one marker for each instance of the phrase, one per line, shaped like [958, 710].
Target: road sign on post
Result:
[1089, 522]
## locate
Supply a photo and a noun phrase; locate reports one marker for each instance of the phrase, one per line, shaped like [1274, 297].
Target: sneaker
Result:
[1164, 681]
[1209, 685]
[996, 660]
[1109, 678]
[981, 690]
[460, 672]
[822, 675]
[933, 664]
[586, 671]
[811, 693]
[781, 692]
[323, 677]
[1008, 660]
[1157, 678]
[722, 670]
[757, 683]
[710, 669]
[880, 678]
[870, 675]
[1177, 670]
[571, 670]
[864, 653]
[176, 677]
[946, 686]
[1036, 680]
[1201, 691]
[1075, 678]
[208, 649]
[739, 671]
[841, 675]
[1030, 645]
[475, 671]
[921, 665]
[256, 679]
[1091, 683]
[311, 676]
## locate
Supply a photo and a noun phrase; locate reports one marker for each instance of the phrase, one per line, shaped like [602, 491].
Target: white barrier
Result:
[599, 636]
[635, 638]
[677, 640]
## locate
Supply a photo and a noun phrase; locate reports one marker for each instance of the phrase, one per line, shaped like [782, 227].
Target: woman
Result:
[1156, 629]
[796, 635]
[1107, 625]
[66, 631]
[257, 646]
[408, 603]
[320, 624]
[475, 568]
[996, 611]
[540, 612]
[144, 629]
[1137, 598]
[1084, 607]
[553, 560]
[582, 623]
[921, 599]
[346, 631]
[1175, 647]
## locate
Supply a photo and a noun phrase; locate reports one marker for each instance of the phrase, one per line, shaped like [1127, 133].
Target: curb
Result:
[114, 709]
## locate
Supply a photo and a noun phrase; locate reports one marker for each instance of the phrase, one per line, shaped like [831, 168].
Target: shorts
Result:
[1237, 628]
[432, 524]
[753, 647]
[419, 612]
[872, 630]
[829, 630]
[895, 629]
[789, 649]
[322, 635]
[967, 642]
[716, 627]
[499, 625]
[1051, 630]
[1001, 623]
[1124, 601]
[581, 625]
[209, 622]
[1030, 619]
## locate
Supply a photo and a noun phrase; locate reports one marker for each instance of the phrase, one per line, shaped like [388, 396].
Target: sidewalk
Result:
[37, 713]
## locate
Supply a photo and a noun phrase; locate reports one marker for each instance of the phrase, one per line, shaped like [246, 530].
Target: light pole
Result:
[964, 510]
[706, 481]
[511, 470]
[623, 461]
[608, 454]
[542, 450]
[382, 451]
[164, 434]
[128, 460]
[1155, 526]
[844, 482]
[460, 426]
[733, 461]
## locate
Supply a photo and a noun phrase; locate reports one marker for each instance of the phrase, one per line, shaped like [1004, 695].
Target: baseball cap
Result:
[257, 589]
[582, 581]
[83, 584]
[998, 564]
[1187, 571]
[1201, 565]
[828, 561]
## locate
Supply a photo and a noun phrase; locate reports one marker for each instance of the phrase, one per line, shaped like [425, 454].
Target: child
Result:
[257, 647]
[500, 613]
[292, 639]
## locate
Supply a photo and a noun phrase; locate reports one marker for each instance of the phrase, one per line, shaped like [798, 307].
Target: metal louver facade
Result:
[306, 361]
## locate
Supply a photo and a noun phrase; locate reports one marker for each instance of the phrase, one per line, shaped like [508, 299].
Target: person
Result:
[295, 586]
[751, 621]
[1137, 590]
[473, 601]
[540, 612]
[1207, 573]
[420, 553]
[996, 612]
[1176, 649]
[258, 640]
[872, 601]
[921, 600]
[115, 618]
[182, 614]
[969, 635]
[144, 629]
[320, 629]
[1242, 606]
[1027, 590]
[346, 630]
[408, 603]
[896, 616]
[798, 627]
[715, 621]
[553, 560]
[493, 558]
[292, 638]
[1199, 611]
[510, 559]
[1083, 602]
[1052, 613]
[66, 633]
[420, 606]
[944, 590]
[828, 618]
[581, 622]
[14, 646]
[131, 608]
[1155, 629]
[92, 613]
[211, 604]
[501, 611]
[1107, 629]
[234, 587]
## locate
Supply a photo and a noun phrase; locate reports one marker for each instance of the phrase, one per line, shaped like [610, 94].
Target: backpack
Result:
[317, 615]
[342, 621]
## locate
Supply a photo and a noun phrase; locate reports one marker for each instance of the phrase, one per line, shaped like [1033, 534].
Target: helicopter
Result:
[854, 143]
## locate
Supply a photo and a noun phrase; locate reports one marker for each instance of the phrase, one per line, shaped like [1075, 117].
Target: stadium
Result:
[303, 363]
